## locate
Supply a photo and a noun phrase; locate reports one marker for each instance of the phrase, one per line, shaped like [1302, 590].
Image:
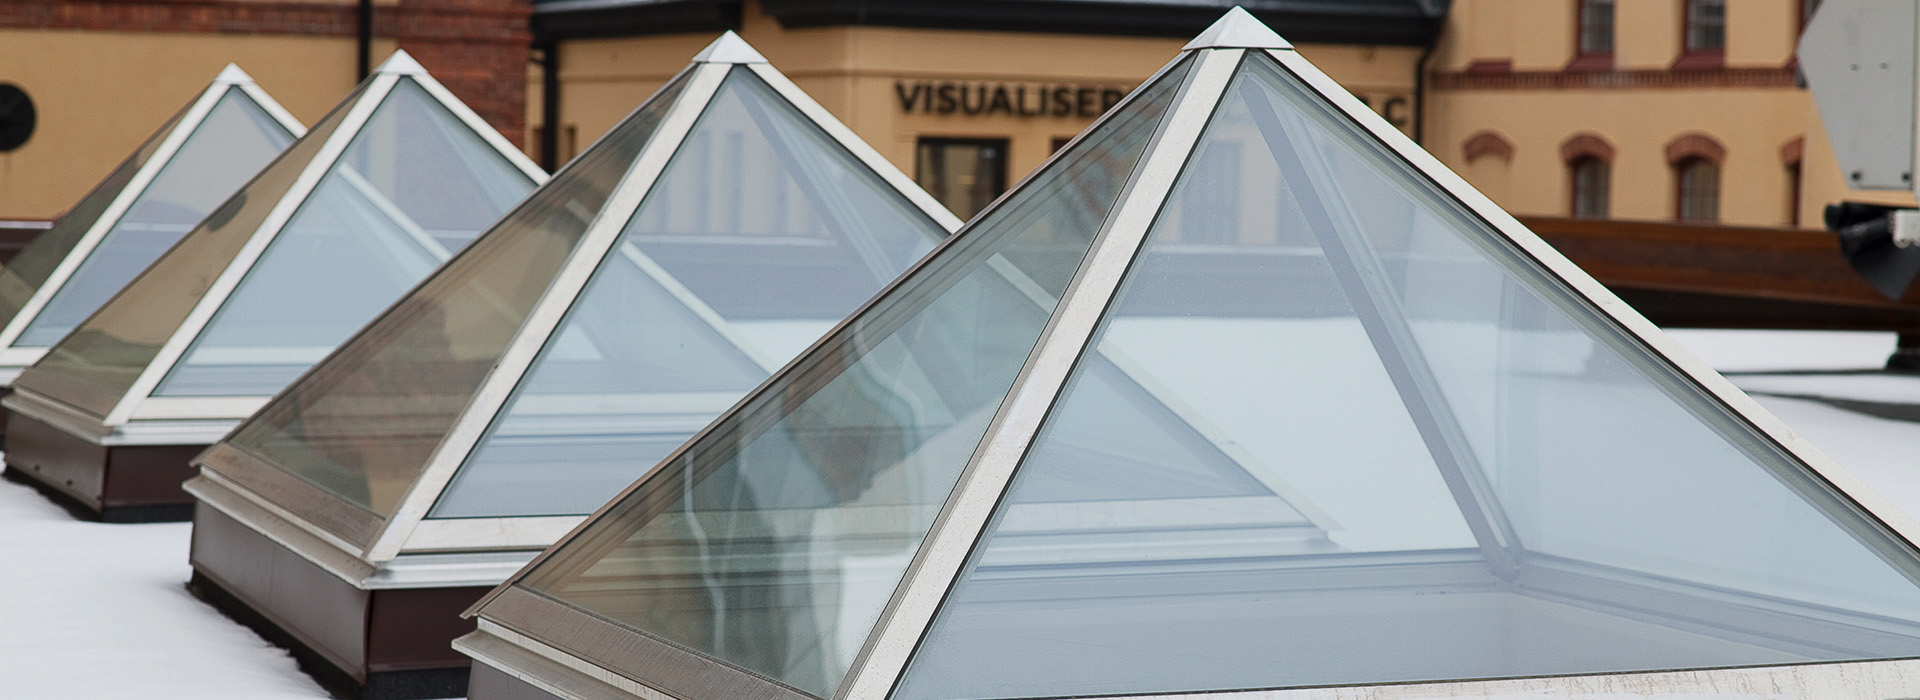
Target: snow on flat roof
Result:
[90, 610]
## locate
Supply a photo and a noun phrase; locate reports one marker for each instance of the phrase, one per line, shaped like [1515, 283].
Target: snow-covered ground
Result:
[91, 611]
[100, 611]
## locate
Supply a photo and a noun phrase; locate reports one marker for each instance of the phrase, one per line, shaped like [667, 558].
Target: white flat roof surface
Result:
[89, 610]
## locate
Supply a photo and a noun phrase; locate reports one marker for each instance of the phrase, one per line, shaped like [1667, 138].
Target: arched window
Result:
[1699, 195]
[1696, 159]
[1589, 160]
[1590, 187]
[1790, 156]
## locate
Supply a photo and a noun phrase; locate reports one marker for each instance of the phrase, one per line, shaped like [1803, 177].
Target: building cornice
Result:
[1782, 77]
[1372, 22]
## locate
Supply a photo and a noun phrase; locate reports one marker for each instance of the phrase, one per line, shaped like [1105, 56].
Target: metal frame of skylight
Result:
[138, 417]
[525, 629]
[15, 359]
[375, 552]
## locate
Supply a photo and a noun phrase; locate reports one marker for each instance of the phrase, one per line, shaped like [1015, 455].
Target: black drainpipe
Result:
[1420, 93]
[550, 104]
[365, 40]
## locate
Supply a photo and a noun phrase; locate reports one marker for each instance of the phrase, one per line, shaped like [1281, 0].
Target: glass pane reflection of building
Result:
[774, 542]
[1345, 426]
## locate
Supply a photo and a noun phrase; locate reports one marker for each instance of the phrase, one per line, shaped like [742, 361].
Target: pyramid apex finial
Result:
[401, 63]
[1238, 30]
[232, 75]
[729, 48]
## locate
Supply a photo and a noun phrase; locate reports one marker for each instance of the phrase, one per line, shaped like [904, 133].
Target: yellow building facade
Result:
[926, 97]
[968, 96]
[1514, 109]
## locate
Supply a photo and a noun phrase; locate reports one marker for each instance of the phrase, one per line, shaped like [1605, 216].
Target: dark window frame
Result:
[997, 177]
[1585, 57]
[1577, 196]
[1701, 57]
[1689, 208]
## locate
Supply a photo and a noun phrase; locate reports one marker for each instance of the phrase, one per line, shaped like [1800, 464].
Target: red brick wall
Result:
[477, 48]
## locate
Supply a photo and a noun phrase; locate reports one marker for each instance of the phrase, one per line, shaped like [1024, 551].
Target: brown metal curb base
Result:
[119, 484]
[490, 683]
[387, 644]
[392, 685]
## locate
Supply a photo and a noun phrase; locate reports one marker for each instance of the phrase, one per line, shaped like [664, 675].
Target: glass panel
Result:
[29, 269]
[414, 186]
[363, 423]
[235, 141]
[92, 367]
[773, 543]
[760, 235]
[1361, 337]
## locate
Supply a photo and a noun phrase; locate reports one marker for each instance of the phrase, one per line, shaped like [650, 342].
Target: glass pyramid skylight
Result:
[170, 183]
[698, 246]
[1242, 391]
[352, 215]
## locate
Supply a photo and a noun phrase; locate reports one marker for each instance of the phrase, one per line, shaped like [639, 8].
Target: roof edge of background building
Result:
[1377, 22]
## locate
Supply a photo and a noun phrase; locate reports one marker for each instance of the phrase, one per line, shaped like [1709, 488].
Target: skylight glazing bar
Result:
[183, 127]
[276, 221]
[595, 245]
[1362, 280]
[1899, 550]
[273, 108]
[965, 515]
[833, 207]
[836, 335]
[856, 145]
[481, 128]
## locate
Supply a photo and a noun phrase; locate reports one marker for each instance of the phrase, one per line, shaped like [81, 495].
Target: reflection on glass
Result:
[29, 269]
[759, 236]
[92, 367]
[773, 542]
[236, 139]
[362, 424]
[414, 186]
[1461, 472]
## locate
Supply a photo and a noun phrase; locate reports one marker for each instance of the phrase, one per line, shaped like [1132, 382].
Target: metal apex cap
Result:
[231, 75]
[1237, 30]
[729, 48]
[401, 63]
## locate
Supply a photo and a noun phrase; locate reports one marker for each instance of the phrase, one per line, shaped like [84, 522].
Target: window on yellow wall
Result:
[964, 174]
[1706, 29]
[1591, 195]
[1699, 189]
[1596, 26]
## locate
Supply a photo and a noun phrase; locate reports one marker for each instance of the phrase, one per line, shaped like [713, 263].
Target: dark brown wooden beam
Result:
[1713, 276]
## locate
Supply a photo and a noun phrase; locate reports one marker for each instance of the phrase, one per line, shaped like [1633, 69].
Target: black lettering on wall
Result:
[908, 100]
[1021, 100]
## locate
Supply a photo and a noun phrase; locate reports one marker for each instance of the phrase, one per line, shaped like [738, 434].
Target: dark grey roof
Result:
[1402, 22]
